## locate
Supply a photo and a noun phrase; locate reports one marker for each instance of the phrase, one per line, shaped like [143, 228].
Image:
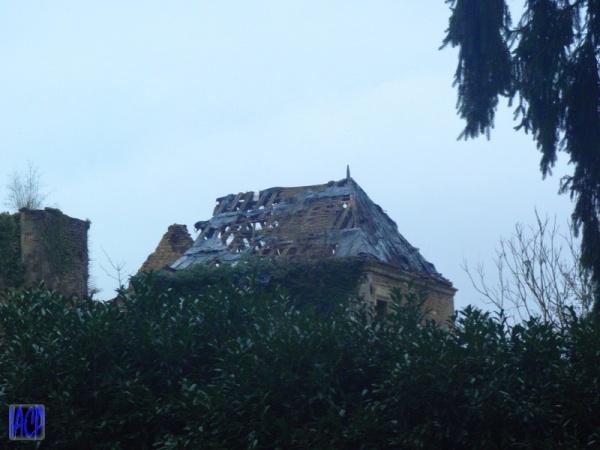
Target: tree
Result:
[539, 273]
[548, 64]
[25, 189]
[118, 271]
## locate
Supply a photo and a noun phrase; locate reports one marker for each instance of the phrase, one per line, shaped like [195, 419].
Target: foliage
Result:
[548, 63]
[231, 366]
[11, 268]
[25, 190]
[539, 273]
[321, 283]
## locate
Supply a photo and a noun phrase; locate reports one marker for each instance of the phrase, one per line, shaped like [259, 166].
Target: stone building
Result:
[54, 249]
[333, 220]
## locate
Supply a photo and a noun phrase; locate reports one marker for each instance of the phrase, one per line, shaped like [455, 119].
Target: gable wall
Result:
[174, 243]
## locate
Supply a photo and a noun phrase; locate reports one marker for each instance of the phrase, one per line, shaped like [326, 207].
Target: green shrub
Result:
[233, 365]
[321, 284]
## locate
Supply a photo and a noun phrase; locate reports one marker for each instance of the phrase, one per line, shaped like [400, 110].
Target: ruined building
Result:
[333, 220]
[175, 242]
[53, 248]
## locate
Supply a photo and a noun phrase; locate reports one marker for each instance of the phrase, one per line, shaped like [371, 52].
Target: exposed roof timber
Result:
[336, 219]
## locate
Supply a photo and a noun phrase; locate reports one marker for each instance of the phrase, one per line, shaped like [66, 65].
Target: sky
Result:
[139, 114]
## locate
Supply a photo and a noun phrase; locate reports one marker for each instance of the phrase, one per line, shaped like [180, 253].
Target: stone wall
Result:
[375, 285]
[379, 279]
[54, 249]
[174, 243]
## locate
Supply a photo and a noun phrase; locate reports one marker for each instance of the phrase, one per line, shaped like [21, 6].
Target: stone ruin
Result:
[174, 243]
[54, 250]
[332, 220]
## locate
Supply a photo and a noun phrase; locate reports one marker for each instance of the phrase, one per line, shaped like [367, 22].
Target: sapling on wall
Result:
[25, 189]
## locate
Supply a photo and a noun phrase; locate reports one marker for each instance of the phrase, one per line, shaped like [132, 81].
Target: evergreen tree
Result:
[548, 66]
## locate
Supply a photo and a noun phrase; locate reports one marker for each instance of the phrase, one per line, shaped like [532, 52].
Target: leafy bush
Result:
[321, 284]
[235, 366]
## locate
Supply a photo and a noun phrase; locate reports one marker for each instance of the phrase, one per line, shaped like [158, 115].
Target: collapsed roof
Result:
[333, 220]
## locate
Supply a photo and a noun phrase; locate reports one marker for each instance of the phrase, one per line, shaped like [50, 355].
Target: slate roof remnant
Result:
[333, 220]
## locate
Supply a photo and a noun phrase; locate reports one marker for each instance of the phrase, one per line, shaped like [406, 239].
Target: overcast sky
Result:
[140, 114]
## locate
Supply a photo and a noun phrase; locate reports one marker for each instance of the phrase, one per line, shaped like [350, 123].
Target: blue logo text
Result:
[26, 422]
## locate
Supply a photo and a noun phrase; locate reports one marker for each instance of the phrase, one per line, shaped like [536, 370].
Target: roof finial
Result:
[347, 171]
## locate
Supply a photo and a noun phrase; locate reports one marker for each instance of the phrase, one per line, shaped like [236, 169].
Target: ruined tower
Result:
[54, 249]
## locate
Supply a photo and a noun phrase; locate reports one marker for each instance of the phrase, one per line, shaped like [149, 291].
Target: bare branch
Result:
[536, 276]
[118, 268]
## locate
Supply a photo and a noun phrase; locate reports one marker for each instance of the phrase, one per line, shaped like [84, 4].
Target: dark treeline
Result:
[236, 367]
